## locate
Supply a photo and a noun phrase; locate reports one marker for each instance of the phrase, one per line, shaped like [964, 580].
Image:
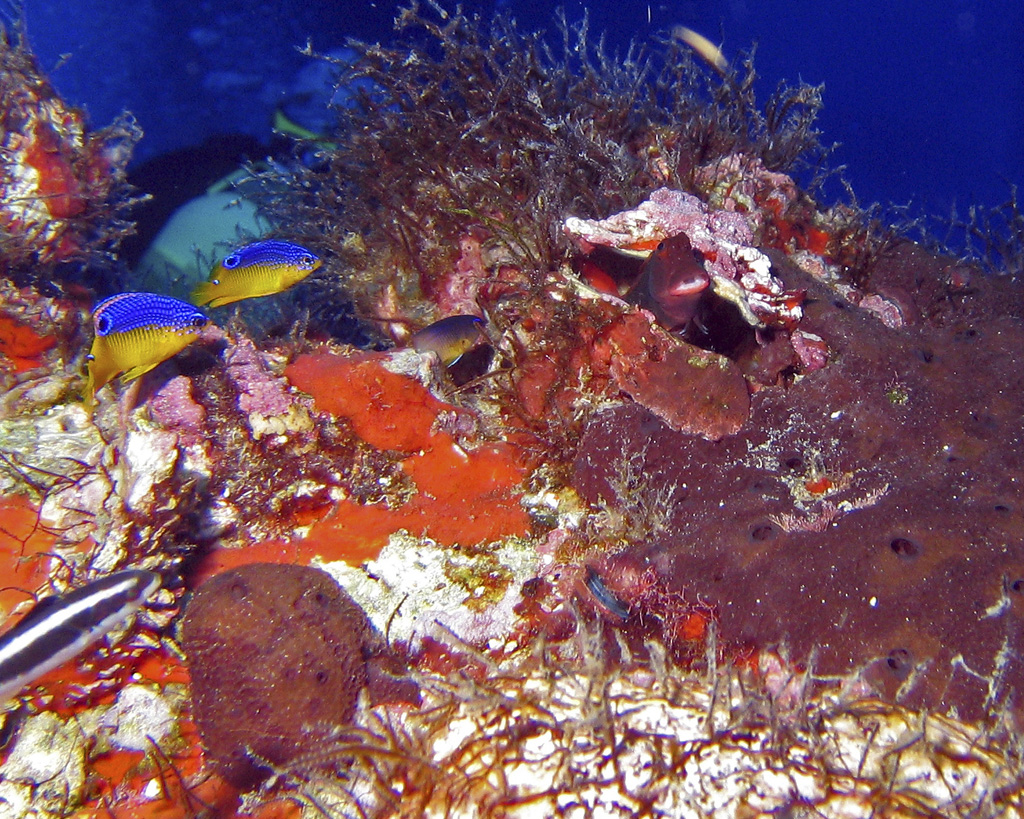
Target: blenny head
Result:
[672, 282]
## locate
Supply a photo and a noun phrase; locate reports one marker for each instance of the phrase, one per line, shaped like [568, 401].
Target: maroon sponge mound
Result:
[869, 516]
[274, 651]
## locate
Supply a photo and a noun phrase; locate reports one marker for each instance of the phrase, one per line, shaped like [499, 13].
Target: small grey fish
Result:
[61, 627]
[603, 596]
[450, 337]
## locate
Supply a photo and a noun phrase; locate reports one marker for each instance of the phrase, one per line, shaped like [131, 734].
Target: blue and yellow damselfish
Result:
[135, 332]
[260, 269]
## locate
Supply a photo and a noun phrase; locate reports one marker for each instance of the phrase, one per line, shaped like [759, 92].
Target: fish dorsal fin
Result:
[39, 611]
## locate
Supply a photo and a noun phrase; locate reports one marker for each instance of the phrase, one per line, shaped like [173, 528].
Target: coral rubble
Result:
[62, 185]
[543, 736]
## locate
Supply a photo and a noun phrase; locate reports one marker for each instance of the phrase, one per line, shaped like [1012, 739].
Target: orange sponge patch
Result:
[24, 547]
[22, 345]
[463, 495]
[386, 410]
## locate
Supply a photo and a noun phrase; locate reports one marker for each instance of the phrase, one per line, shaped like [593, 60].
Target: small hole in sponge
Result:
[899, 661]
[905, 548]
[763, 531]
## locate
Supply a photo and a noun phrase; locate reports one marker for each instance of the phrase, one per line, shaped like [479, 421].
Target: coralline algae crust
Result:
[46, 769]
[143, 715]
[391, 588]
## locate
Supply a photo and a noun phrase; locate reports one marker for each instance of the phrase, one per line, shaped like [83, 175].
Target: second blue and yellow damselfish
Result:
[450, 338]
[135, 332]
[258, 269]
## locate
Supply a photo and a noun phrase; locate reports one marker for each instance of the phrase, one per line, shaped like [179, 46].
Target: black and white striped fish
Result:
[61, 627]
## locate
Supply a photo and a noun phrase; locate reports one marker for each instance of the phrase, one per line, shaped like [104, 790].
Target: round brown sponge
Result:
[276, 652]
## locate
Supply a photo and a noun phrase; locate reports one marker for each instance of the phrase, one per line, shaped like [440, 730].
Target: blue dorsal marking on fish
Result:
[61, 627]
[126, 312]
[269, 252]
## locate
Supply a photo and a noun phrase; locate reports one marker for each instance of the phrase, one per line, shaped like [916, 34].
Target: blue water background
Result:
[926, 98]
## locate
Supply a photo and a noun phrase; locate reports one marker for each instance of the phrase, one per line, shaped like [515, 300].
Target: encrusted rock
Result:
[690, 389]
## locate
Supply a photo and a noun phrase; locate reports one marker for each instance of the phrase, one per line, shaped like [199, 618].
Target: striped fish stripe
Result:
[61, 627]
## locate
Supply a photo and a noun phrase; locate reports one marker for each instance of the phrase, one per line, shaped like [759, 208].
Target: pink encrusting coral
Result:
[740, 183]
[663, 214]
[741, 272]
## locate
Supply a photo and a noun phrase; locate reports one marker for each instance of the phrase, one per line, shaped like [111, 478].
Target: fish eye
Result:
[199, 321]
[214, 281]
[231, 262]
[104, 325]
[90, 357]
[306, 260]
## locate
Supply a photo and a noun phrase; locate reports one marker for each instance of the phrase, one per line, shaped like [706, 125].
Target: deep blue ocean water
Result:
[926, 98]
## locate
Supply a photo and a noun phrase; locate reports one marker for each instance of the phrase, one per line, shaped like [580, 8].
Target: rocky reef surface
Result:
[761, 556]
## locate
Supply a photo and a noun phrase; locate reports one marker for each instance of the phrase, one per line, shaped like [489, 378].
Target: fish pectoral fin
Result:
[201, 294]
[205, 295]
[135, 372]
[98, 375]
[89, 397]
[220, 302]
